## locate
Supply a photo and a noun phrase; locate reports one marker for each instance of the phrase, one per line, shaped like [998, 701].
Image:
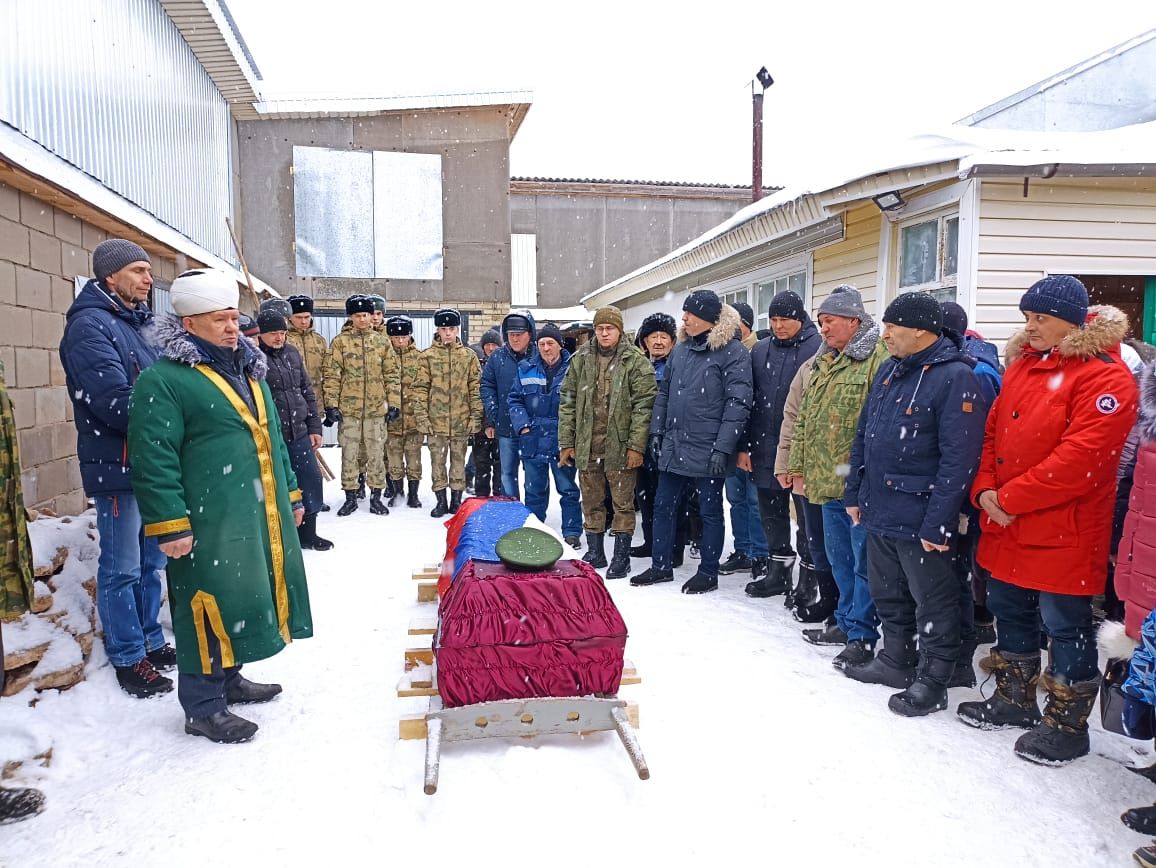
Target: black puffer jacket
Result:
[773, 366]
[704, 399]
[292, 392]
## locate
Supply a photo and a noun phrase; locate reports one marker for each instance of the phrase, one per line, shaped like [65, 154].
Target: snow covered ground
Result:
[760, 753]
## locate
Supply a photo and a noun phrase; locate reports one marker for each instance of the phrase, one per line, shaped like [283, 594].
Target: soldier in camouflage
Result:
[407, 433]
[306, 341]
[362, 383]
[454, 408]
[379, 327]
[16, 568]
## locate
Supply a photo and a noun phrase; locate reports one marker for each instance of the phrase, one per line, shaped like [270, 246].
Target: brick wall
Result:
[42, 250]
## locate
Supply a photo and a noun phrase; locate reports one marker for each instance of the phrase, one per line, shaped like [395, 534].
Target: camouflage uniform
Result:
[454, 408]
[362, 379]
[312, 348]
[407, 433]
[15, 549]
[379, 328]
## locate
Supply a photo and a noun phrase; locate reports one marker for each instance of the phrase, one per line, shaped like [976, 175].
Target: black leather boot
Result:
[441, 508]
[224, 727]
[412, 502]
[455, 501]
[928, 693]
[776, 579]
[393, 490]
[361, 486]
[307, 535]
[964, 674]
[595, 550]
[375, 504]
[242, 691]
[350, 505]
[620, 560]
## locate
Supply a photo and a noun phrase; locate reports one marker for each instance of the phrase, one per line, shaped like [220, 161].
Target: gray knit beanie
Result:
[114, 254]
[844, 300]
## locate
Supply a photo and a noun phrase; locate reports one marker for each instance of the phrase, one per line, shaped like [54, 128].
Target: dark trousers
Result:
[916, 593]
[966, 569]
[810, 516]
[645, 489]
[775, 512]
[487, 462]
[1066, 617]
[202, 695]
[308, 472]
[668, 495]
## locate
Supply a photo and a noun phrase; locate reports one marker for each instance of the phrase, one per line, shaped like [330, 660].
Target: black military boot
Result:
[307, 535]
[854, 653]
[651, 576]
[880, 670]
[412, 502]
[19, 803]
[224, 727]
[928, 693]
[620, 560]
[393, 490]
[700, 583]
[964, 674]
[1142, 820]
[831, 634]
[820, 604]
[361, 486]
[777, 579]
[350, 505]
[1062, 735]
[242, 691]
[455, 501]
[1014, 702]
[595, 550]
[441, 507]
[375, 504]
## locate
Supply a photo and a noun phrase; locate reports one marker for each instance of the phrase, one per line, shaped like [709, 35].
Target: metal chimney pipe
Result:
[757, 159]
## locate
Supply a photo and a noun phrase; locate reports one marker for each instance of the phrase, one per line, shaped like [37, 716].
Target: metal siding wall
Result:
[112, 88]
[524, 270]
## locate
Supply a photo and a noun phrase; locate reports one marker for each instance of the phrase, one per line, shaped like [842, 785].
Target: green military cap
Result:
[527, 548]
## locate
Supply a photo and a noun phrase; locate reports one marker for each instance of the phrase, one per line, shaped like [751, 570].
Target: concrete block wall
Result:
[42, 250]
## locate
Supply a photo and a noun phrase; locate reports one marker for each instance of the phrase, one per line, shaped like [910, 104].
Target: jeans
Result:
[537, 474]
[508, 455]
[746, 526]
[128, 581]
[308, 473]
[667, 498]
[1067, 618]
[846, 546]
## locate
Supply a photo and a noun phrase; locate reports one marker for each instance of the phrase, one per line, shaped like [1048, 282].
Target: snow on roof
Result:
[302, 106]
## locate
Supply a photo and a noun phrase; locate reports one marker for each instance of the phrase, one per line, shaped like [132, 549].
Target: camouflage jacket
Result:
[455, 397]
[15, 549]
[312, 347]
[829, 412]
[362, 376]
[414, 401]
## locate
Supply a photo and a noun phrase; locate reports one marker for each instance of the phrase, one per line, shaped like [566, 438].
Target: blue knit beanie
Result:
[704, 304]
[1059, 295]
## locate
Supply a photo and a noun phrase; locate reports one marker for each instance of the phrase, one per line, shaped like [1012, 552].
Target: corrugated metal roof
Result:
[209, 29]
[541, 180]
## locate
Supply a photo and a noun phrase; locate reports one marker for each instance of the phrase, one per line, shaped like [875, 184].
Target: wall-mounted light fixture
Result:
[889, 201]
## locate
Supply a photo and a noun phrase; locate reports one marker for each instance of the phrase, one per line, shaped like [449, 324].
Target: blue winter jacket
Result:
[498, 376]
[534, 405]
[918, 444]
[987, 367]
[103, 351]
[1141, 681]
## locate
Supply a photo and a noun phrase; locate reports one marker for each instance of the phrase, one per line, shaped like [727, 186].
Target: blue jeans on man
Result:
[746, 523]
[510, 458]
[667, 499]
[537, 474]
[846, 546]
[128, 581]
[1067, 618]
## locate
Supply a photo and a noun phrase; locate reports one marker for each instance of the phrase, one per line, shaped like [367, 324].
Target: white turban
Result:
[203, 290]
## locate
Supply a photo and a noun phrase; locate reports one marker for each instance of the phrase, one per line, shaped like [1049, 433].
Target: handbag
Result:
[1116, 706]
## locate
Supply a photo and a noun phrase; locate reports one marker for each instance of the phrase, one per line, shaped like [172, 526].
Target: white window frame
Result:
[749, 283]
[524, 269]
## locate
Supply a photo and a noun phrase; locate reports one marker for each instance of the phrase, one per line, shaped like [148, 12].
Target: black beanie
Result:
[398, 326]
[657, 322]
[954, 317]
[491, 336]
[915, 310]
[271, 321]
[787, 305]
[1059, 295]
[704, 304]
[746, 313]
[447, 317]
[301, 303]
[549, 330]
[358, 304]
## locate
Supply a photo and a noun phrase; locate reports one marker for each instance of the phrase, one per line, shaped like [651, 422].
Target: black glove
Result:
[655, 447]
[332, 417]
[393, 415]
[718, 464]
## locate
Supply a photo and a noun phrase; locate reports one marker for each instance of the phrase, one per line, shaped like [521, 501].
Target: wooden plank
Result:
[413, 726]
[419, 680]
[428, 573]
[415, 657]
[427, 592]
[423, 626]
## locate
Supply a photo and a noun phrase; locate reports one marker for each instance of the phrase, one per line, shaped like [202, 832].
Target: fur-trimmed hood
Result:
[1102, 331]
[862, 343]
[174, 343]
[722, 332]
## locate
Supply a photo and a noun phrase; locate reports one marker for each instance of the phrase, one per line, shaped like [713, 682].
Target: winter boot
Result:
[879, 670]
[242, 691]
[393, 491]
[19, 803]
[642, 551]
[455, 501]
[595, 550]
[412, 502]
[964, 674]
[821, 605]
[700, 583]
[736, 563]
[777, 579]
[1145, 857]
[307, 535]
[361, 486]
[984, 625]
[164, 658]
[1014, 702]
[441, 507]
[574, 542]
[928, 693]
[142, 680]
[375, 504]
[620, 560]
[1148, 772]
[1142, 820]
[224, 727]
[854, 653]
[651, 576]
[1062, 735]
[350, 505]
[832, 634]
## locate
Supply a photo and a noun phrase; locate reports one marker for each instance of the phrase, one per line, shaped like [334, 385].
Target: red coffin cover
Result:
[510, 635]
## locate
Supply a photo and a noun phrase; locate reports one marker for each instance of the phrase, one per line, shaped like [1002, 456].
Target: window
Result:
[796, 282]
[929, 255]
[734, 295]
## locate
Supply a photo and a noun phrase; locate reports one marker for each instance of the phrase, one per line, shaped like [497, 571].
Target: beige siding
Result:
[853, 260]
[1063, 226]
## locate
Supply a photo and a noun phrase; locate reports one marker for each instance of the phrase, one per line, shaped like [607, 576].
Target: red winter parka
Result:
[1136, 557]
[1050, 452]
